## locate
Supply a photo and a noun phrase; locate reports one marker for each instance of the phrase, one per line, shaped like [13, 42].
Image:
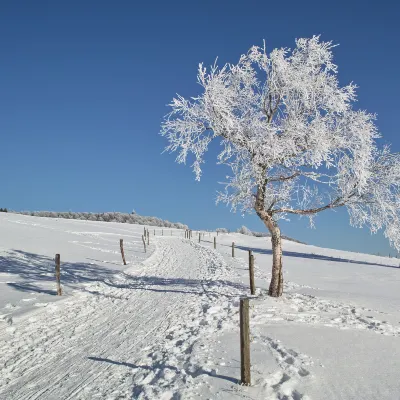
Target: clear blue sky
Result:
[84, 87]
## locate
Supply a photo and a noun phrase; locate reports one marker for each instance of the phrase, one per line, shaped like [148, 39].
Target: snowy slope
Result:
[166, 325]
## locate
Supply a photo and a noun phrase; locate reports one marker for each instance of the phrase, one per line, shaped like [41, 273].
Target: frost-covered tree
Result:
[244, 230]
[292, 139]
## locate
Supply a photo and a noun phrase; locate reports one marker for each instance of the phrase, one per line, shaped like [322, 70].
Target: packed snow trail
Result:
[129, 336]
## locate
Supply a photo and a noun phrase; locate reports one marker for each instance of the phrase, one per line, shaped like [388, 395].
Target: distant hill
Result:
[246, 231]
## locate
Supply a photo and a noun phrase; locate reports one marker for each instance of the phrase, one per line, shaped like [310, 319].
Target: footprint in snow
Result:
[293, 371]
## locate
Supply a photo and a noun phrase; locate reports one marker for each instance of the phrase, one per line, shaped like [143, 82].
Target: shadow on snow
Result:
[313, 256]
[37, 271]
[161, 366]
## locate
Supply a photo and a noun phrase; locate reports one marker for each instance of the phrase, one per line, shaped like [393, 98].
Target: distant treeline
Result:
[3, 210]
[106, 217]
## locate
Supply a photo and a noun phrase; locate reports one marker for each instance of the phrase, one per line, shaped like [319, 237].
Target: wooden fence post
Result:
[162, 232]
[233, 249]
[121, 245]
[245, 342]
[199, 237]
[58, 274]
[148, 239]
[215, 242]
[144, 243]
[144, 231]
[154, 232]
[251, 271]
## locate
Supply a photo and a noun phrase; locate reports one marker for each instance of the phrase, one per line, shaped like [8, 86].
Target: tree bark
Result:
[276, 284]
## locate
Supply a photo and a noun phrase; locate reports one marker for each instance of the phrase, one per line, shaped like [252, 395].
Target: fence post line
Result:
[144, 244]
[121, 245]
[58, 274]
[245, 342]
[251, 272]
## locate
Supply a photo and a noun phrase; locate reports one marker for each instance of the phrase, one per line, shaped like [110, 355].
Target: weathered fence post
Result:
[251, 271]
[144, 243]
[215, 242]
[233, 249]
[148, 239]
[162, 232]
[245, 342]
[121, 245]
[199, 237]
[154, 232]
[58, 274]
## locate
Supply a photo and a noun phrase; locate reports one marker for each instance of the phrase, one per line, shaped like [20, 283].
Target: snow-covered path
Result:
[131, 332]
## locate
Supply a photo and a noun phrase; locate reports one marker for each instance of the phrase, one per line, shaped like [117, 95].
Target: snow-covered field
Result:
[166, 325]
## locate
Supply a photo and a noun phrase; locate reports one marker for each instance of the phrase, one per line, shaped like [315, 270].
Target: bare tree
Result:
[292, 139]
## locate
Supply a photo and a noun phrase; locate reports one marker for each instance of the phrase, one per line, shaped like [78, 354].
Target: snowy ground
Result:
[166, 326]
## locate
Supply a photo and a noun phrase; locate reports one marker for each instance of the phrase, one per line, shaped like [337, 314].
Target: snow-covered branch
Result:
[291, 137]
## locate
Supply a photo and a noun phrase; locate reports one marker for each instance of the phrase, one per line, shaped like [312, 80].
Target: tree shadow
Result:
[106, 262]
[29, 287]
[178, 285]
[314, 256]
[37, 271]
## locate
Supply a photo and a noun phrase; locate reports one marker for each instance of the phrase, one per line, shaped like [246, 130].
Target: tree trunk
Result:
[276, 285]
